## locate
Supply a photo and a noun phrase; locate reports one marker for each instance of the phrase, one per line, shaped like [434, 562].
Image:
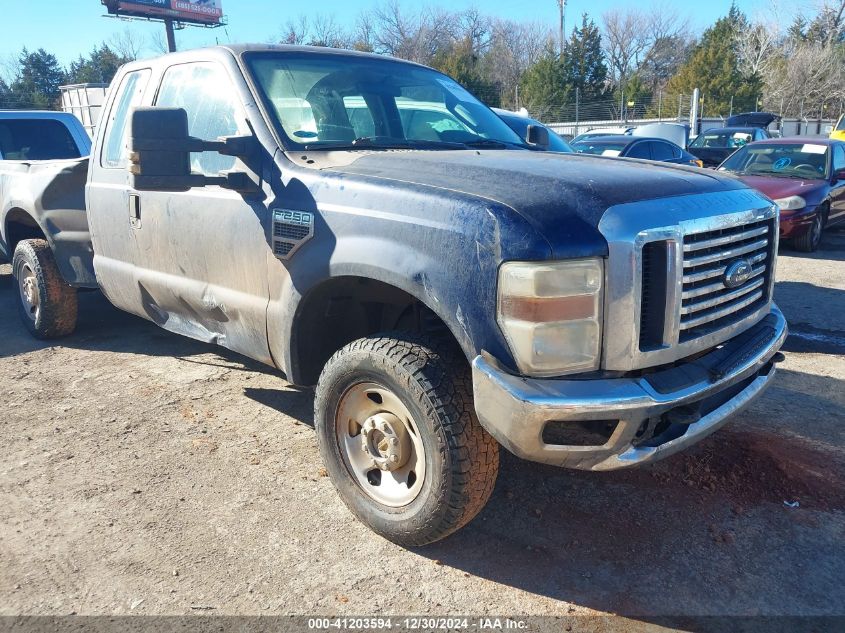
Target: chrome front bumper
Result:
[515, 410]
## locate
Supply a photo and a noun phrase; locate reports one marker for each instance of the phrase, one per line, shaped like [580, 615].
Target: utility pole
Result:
[577, 108]
[562, 6]
[693, 115]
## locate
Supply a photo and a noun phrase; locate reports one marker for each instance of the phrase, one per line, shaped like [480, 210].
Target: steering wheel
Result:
[812, 168]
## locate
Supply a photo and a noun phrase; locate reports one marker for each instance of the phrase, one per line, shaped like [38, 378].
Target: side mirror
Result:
[537, 135]
[839, 176]
[160, 148]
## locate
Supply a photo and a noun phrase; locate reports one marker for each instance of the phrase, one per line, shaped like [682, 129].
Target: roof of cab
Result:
[240, 49]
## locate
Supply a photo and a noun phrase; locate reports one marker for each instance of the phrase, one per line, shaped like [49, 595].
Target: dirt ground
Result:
[144, 473]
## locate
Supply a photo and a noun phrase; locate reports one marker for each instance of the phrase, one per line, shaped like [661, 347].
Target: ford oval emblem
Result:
[737, 273]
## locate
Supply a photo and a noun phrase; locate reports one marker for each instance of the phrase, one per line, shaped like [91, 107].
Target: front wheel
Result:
[47, 304]
[399, 437]
[809, 242]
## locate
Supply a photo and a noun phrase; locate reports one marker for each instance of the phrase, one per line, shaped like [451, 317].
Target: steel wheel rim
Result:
[372, 427]
[28, 288]
[817, 230]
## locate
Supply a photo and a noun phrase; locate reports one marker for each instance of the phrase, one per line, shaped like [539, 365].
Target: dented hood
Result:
[561, 195]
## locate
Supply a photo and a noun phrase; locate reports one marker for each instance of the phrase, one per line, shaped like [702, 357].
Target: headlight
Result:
[792, 203]
[550, 314]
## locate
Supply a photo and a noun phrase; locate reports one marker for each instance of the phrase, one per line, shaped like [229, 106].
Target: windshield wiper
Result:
[493, 144]
[388, 142]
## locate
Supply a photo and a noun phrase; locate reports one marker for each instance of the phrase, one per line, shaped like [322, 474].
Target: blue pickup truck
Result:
[367, 226]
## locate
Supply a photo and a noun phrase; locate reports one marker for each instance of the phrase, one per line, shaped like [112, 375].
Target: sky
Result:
[68, 28]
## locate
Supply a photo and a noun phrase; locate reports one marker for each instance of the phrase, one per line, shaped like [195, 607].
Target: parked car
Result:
[602, 131]
[677, 133]
[805, 178]
[27, 135]
[838, 132]
[713, 146]
[636, 147]
[447, 288]
[752, 119]
[519, 123]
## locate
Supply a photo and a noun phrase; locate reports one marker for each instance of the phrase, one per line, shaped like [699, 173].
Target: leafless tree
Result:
[10, 68]
[633, 37]
[127, 43]
[808, 77]
[295, 31]
[158, 43]
[513, 48]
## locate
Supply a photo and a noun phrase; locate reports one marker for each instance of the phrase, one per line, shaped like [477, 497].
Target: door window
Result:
[639, 150]
[662, 151]
[206, 93]
[838, 158]
[130, 93]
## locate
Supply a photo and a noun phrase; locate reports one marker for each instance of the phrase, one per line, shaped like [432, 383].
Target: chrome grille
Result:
[707, 302]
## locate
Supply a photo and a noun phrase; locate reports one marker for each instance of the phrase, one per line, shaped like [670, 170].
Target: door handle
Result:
[135, 210]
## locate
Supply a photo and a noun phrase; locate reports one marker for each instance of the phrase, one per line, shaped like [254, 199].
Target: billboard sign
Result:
[196, 11]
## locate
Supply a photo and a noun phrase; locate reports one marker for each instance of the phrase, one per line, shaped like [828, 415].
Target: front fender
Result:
[443, 251]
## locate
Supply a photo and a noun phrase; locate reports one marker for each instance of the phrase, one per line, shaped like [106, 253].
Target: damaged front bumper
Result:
[611, 423]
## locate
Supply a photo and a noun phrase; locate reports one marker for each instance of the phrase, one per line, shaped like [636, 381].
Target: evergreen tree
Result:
[543, 88]
[37, 85]
[461, 63]
[583, 63]
[100, 66]
[714, 69]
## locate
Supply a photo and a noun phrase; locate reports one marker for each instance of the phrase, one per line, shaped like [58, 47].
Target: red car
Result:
[804, 176]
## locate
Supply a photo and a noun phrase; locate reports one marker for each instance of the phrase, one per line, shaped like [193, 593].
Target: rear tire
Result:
[399, 437]
[809, 242]
[46, 303]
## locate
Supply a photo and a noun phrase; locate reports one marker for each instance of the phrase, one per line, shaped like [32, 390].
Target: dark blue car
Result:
[636, 147]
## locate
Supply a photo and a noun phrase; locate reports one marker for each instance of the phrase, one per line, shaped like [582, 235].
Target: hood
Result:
[776, 188]
[560, 195]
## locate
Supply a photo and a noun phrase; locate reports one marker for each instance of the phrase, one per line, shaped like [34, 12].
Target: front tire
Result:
[399, 437]
[809, 242]
[46, 303]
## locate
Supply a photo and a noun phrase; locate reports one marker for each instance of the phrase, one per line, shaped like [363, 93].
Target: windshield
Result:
[722, 139]
[841, 126]
[793, 160]
[599, 149]
[336, 101]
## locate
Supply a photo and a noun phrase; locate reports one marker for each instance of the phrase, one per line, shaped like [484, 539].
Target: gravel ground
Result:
[144, 473]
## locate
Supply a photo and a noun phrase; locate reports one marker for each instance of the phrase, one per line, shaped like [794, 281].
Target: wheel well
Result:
[21, 226]
[344, 309]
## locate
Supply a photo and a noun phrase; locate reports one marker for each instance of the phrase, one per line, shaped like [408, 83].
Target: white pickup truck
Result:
[43, 167]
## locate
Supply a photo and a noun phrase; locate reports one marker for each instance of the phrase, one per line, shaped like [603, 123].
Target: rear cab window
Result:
[36, 139]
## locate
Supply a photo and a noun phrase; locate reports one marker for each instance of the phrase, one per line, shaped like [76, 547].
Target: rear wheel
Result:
[399, 437]
[810, 241]
[46, 303]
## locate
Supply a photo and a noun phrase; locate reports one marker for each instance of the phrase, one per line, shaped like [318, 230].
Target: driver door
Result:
[194, 262]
